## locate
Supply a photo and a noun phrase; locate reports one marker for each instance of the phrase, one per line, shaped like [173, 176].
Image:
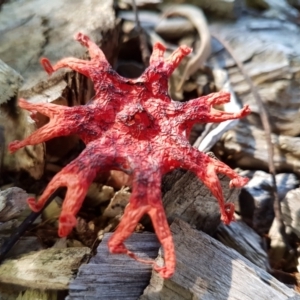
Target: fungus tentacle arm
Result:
[132, 126]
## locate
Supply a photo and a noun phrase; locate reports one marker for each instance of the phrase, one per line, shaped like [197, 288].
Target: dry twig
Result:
[142, 36]
[267, 128]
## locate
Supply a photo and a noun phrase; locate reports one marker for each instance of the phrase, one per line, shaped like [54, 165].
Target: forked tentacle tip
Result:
[159, 46]
[228, 216]
[219, 98]
[66, 223]
[21, 100]
[114, 247]
[34, 206]
[45, 62]
[164, 272]
[185, 50]
[34, 117]
[245, 110]
[81, 38]
[13, 146]
[238, 181]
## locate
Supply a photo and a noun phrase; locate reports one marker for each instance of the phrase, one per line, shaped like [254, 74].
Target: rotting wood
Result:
[242, 238]
[50, 269]
[109, 276]
[187, 198]
[290, 206]
[245, 146]
[206, 269]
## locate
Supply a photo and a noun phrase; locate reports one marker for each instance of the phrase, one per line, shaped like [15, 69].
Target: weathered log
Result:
[206, 269]
[187, 198]
[110, 276]
[50, 269]
[245, 146]
[245, 241]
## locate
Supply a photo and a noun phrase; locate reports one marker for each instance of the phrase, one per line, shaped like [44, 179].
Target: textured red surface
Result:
[132, 126]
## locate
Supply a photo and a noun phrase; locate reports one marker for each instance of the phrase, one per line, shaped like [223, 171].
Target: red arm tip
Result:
[47, 65]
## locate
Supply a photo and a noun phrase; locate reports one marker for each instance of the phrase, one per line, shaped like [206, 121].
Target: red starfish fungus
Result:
[132, 126]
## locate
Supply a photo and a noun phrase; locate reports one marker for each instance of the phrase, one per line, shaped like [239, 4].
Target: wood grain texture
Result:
[245, 145]
[50, 269]
[208, 270]
[110, 276]
[187, 198]
[242, 238]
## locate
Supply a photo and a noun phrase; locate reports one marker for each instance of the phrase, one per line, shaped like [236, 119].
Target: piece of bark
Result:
[240, 237]
[245, 146]
[187, 198]
[110, 276]
[51, 26]
[206, 269]
[50, 269]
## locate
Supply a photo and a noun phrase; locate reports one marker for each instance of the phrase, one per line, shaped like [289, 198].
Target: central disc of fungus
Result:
[132, 126]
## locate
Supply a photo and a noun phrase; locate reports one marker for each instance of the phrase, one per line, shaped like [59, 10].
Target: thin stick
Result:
[142, 36]
[10, 242]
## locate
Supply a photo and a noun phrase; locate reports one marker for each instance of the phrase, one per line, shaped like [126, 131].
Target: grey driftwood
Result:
[187, 198]
[208, 270]
[109, 276]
